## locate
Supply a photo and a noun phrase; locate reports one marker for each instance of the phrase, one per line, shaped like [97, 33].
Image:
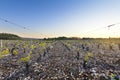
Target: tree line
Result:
[8, 36]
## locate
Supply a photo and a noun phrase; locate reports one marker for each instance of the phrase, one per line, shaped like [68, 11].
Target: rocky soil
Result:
[61, 60]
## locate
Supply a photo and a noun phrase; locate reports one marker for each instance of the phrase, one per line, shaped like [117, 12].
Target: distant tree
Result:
[62, 38]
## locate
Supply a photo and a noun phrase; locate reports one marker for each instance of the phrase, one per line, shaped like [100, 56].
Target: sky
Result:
[53, 18]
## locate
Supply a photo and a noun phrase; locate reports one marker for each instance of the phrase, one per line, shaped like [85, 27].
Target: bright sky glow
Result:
[53, 18]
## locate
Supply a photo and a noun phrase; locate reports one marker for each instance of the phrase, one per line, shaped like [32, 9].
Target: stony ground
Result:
[63, 60]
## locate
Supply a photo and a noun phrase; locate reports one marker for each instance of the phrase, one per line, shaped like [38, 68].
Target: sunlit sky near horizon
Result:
[53, 18]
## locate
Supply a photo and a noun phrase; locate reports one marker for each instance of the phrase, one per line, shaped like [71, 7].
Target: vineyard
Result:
[59, 60]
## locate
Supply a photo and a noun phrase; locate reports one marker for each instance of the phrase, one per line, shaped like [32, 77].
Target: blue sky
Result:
[53, 18]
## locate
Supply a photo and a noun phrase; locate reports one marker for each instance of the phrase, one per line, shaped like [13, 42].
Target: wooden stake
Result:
[1, 43]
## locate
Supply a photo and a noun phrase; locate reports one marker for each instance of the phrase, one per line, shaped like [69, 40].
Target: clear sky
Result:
[53, 18]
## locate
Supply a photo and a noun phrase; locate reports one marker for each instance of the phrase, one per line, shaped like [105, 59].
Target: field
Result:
[60, 59]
